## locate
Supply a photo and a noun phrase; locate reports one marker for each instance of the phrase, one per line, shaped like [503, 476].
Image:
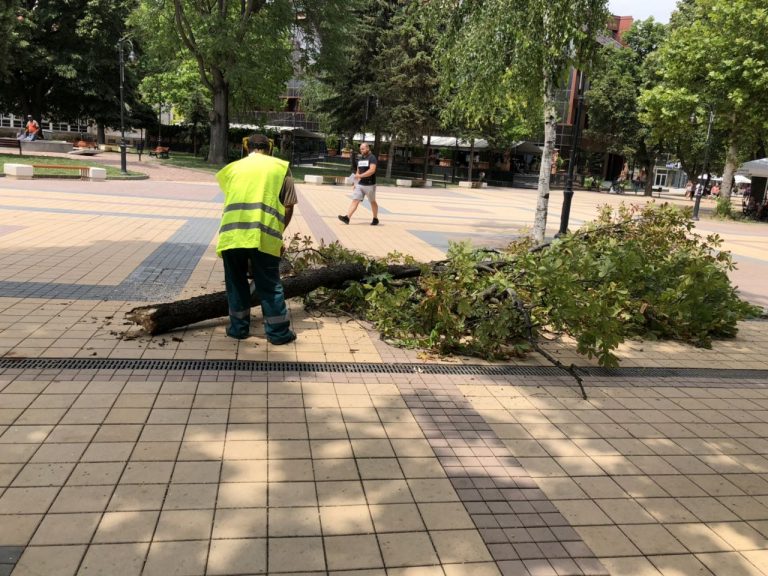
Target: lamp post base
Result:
[696, 205]
[123, 159]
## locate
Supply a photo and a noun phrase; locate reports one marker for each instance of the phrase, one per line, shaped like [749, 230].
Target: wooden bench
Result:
[11, 143]
[160, 152]
[82, 169]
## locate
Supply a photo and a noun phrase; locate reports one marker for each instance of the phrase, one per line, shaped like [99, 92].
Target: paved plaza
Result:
[193, 454]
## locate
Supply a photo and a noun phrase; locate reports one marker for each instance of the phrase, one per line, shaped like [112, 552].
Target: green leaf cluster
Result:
[633, 273]
[61, 58]
[715, 59]
[639, 272]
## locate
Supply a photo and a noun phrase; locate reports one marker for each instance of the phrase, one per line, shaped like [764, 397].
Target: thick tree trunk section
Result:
[217, 153]
[471, 159]
[545, 170]
[161, 318]
[391, 155]
[101, 134]
[426, 154]
[377, 141]
[649, 165]
[731, 165]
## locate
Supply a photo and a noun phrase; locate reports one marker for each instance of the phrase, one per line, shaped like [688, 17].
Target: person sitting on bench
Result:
[31, 131]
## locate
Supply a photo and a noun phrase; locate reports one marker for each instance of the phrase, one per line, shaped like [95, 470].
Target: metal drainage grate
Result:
[261, 366]
[113, 364]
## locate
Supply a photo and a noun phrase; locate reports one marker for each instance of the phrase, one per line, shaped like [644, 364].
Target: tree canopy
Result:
[716, 59]
[245, 51]
[62, 59]
[613, 95]
[504, 61]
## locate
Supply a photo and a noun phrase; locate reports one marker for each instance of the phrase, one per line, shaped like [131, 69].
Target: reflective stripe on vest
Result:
[253, 216]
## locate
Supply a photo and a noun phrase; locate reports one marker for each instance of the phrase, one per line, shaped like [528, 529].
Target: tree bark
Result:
[161, 318]
[391, 155]
[471, 159]
[731, 165]
[649, 165]
[101, 136]
[217, 153]
[545, 170]
[426, 154]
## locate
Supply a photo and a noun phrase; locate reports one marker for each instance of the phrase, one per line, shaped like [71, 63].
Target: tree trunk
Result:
[471, 158]
[731, 165]
[391, 156]
[161, 318]
[218, 153]
[545, 170]
[455, 161]
[101, 136]
[649, 164]
[377, 141]
[426, 154]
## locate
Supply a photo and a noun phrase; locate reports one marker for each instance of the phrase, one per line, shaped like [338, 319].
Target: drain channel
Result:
[371, 368]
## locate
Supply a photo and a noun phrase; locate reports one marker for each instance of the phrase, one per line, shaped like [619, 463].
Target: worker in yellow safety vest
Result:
[259, 196]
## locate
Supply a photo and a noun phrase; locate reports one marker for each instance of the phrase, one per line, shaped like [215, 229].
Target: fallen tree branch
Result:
[161, 318]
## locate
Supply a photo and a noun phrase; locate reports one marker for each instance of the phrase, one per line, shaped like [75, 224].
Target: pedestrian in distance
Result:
[689, 190]
[365, 184]
[259, 197]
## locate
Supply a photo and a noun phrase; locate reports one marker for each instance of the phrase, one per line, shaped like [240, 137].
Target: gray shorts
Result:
[362, 191]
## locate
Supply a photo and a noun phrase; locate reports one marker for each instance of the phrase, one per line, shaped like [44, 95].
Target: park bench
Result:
[339, 180]
[325, 179]
[160, 152]
[472, 184]
[10, 143]
[82, 169]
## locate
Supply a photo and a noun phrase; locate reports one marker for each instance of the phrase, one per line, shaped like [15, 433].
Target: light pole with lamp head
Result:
[131, 56]
[701, 188]
[565, 213]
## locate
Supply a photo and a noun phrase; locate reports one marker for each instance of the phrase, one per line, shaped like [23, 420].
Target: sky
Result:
[640, 10]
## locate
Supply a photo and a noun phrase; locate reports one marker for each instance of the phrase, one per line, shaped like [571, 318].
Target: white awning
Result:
[755, 168]
[435, 142]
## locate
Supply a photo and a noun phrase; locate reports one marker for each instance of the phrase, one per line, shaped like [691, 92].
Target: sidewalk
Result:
[338, 454]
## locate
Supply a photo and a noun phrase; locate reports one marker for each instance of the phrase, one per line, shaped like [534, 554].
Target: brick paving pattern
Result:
[304, 470]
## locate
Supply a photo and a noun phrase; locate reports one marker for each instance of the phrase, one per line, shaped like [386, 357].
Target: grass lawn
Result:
[187, 160]
[112, 172]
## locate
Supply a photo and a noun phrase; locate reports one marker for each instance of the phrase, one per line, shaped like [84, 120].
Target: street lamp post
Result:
[565, 213]
[703, 187]
[120, 48]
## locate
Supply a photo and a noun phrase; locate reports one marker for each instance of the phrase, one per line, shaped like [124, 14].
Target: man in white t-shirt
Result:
[365, 184]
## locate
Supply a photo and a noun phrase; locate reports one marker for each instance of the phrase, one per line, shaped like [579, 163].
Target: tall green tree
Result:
[63, 59]
[246, 50]
[503, 55]
[716, 60]
[345, 93]
[614, 92]
[7, 17]
[406, 77]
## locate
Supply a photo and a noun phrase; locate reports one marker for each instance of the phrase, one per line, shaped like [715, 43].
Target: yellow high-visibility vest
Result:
[253, 215]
